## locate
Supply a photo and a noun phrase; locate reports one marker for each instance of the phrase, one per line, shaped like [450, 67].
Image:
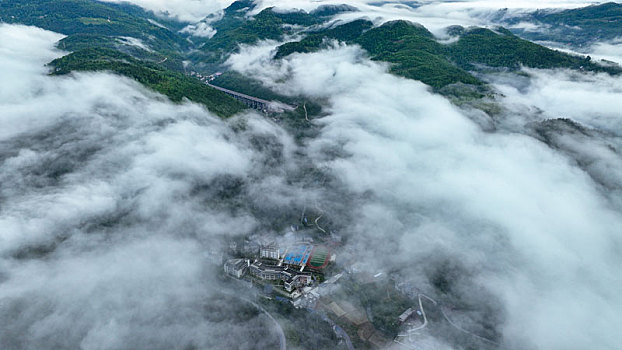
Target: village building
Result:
[270, 251]
[266, 271]
[292, 279]
[405, 315]
[236, 267]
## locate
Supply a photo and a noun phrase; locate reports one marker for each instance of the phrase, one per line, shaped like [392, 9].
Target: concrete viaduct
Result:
[250, 101]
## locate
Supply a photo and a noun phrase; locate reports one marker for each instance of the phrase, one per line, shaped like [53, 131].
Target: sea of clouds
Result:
[433, 14]
[111, 213]
[511, 215]
[113, 201]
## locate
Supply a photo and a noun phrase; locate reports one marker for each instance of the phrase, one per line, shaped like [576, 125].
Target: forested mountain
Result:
[412, 50]
[81, 17]
[173, 84]
[575, 27]
[418, 55]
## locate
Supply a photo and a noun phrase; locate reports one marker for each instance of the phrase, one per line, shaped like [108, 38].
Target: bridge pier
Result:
[250, 101]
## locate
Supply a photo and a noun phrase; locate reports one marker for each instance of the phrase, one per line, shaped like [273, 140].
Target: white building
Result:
[292, 279]
[270, 252]
[295, 279]
[266, 272]
[236, 267]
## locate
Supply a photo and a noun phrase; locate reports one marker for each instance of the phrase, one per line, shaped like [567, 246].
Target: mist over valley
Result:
[345, 174]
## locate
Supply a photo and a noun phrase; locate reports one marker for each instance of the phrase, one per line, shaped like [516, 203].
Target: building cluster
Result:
[205, 78]
[250, 101]
[271, 251]
[290, 266]
[292, 278]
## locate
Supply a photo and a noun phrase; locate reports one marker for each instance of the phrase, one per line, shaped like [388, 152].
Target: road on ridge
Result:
[279, 329]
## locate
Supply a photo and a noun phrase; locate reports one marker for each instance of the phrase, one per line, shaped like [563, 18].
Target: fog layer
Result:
[109, 211]
[508, 214]
[113, 201]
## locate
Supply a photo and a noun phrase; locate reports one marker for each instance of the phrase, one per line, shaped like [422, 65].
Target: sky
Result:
[114, 202]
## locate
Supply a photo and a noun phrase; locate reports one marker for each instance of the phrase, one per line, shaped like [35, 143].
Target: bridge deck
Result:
[246, 97]
[239, 94]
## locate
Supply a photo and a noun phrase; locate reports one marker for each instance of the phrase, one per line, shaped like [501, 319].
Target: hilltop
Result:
[575, 27]
[156, 52]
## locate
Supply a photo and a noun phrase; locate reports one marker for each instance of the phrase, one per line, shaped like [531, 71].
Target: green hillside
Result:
[103, 36]
[236, 27]
[235, 81]
[575, 27]
[416, 54]
[603, 14]
[127, 40]
[172, 84]
[346, 32]
[91, 17]
[411, 48]
[504, 49]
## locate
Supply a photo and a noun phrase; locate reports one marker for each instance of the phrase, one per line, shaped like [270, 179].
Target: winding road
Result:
[425, 319]
[279, 329]
[339, 332]
[425, 323]
[465, 331]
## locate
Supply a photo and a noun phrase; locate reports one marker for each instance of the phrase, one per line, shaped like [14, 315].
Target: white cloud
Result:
[195, 145]
[125, 190]
[528, 27]
[433, 14]
[611, 51]
[128, 40]
[183, 10]
[112, 208]
[591, 99]
[201, 29]
[521, 219]
[605, 50]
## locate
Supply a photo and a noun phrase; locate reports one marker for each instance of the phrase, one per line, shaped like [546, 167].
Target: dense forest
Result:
[575, 27]
[416, 54]
[172, 84]
[130, 41]
[235, 28]
[92, 17]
